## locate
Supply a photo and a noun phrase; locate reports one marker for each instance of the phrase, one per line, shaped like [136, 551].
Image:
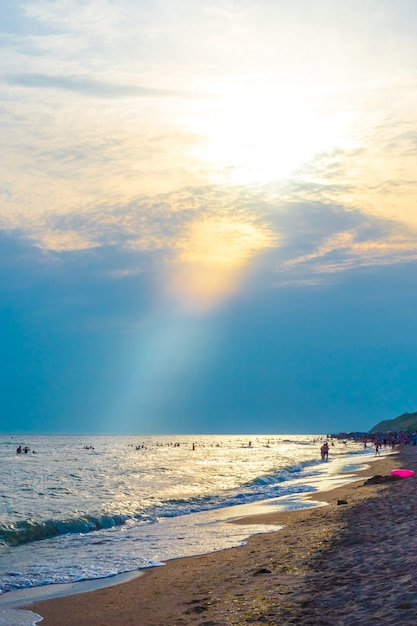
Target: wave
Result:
[28, 531]
[174, 508]
[271, 485]
[264, 487]
[283, 474]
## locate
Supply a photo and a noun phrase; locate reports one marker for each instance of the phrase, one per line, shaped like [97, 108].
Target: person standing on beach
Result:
[325, 452]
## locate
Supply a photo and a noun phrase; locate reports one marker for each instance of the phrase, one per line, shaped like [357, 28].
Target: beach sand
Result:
[341, 564]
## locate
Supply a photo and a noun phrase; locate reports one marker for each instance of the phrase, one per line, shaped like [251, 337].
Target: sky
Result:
[208, 217]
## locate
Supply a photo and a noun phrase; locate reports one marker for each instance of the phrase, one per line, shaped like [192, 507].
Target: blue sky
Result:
[208, 215]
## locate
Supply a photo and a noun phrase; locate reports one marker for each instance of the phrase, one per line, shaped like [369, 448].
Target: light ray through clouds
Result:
[161, 361]
[216, 143]
[176, 337]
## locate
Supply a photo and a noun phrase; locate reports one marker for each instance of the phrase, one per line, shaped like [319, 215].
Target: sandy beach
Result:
[341, 564]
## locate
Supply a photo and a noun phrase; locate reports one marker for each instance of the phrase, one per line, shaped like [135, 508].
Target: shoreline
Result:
[251, 513]
[221, 586]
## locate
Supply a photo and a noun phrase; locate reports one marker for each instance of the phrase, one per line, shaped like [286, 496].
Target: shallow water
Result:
[68, 513]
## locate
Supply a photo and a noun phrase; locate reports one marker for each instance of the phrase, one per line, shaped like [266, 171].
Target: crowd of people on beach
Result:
[377, 441]
[390, 439]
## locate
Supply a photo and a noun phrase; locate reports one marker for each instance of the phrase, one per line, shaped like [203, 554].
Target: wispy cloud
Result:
[88, 86]
[347, 250]
[94, 17]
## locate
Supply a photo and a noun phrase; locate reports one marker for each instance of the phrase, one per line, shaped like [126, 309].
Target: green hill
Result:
[406, 421]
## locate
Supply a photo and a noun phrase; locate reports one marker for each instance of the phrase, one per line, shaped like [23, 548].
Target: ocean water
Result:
[80, 508]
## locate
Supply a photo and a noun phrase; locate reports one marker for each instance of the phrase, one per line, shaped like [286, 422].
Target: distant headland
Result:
[406, 421]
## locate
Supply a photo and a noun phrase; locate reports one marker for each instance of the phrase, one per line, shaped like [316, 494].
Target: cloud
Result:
[376, 174]
[347, 249]
[134, 170]
[324, 240]
[95, 16]
[230, 233]
[87, 86]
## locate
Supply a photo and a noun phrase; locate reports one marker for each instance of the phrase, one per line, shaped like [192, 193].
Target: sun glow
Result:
[222, 242]
[264, 134]
[211, 257]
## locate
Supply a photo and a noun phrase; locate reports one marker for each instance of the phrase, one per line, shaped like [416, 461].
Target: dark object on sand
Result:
[342, 502]
[262, 570]
[380, 480]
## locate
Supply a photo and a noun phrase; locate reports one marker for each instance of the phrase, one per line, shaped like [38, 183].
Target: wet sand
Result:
[342, 564]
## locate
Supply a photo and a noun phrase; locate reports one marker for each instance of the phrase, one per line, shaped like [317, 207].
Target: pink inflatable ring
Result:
[402, 473]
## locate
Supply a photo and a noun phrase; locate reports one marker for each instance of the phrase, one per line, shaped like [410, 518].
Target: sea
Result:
[99, 508]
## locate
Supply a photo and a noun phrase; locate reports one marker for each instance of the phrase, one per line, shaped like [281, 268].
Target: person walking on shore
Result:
[325, 452]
